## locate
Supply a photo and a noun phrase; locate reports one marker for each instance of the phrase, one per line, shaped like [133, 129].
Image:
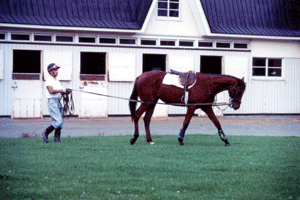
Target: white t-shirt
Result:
[56, 86]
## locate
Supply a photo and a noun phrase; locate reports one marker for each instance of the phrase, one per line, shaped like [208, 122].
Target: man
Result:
[54, 92]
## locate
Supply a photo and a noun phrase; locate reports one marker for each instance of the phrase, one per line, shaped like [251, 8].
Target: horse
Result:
[149, 88]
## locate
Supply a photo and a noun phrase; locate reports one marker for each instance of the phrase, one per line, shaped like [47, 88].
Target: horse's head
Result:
[236, 93]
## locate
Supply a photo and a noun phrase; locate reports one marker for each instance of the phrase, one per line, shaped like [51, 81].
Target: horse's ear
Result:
[243, 79]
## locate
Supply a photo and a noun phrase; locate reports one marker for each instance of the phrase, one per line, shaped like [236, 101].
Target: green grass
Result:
[110, 168]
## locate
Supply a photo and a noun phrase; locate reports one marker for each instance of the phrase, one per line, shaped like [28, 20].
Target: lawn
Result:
[108, 167]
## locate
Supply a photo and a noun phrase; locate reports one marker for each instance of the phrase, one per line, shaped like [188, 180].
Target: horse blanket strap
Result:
[186, 79]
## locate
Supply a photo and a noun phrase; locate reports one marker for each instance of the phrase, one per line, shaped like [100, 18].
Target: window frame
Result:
[168, 9]
[267, 67]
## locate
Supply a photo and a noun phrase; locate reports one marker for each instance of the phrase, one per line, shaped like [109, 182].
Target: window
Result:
[167, 43]
[107, 40]
[92, 66]
[127, 41]
[64, 39]
[205, 44]
[87, 40]
[2, 36]
[186, 43]
[19, 37]
[148, 42]
[267, 67]
[43, 38]
[168, 8]
[26, 65]
[223, 45]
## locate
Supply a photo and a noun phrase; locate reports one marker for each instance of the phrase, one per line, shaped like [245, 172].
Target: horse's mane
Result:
[240, 81]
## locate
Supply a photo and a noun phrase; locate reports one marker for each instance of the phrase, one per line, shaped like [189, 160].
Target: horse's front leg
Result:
[138, 114]
[210, 113]
[188, 117]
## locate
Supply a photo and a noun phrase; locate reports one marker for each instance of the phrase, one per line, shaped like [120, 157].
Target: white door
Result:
[26, 84]
[27, 99]
[92, 105]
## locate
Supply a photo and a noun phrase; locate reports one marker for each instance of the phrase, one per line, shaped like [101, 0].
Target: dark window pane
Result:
[2, 36]
[174, 13]
[223, 45]
[44, 38]
[148, 42]
[162, 13]
[127, 41]
[26, 61]
[87, 40]
[186, 44]
[274, 72]
[108, 40]
[240, 46]
[64, 39]
[167, 43]
[259, 72]
[174, 0]
[92, 63]
[174, 5]
[259, 62]
[162, 5]
[274, 63]
[19, 37]
[205, 44]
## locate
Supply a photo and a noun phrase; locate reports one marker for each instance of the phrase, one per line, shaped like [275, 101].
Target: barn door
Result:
[93, 79]
[26, 84]
[212, 65]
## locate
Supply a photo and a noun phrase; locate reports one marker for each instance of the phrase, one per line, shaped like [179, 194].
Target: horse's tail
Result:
[132, 104]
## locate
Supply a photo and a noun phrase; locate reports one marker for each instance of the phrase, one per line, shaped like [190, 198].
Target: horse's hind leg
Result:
[186, 123]
[147, 120]
[210, 113]
[138, 115]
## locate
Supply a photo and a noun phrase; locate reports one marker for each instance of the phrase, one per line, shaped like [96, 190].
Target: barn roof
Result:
[240, 17]
[111, 14]
[253, 17]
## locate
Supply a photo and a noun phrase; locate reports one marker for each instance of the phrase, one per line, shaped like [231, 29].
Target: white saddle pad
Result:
[173, 79]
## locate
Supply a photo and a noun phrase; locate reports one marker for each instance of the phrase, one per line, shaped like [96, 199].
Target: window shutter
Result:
[237, 66]
[181, 63]
[64, 59]
[121, 66]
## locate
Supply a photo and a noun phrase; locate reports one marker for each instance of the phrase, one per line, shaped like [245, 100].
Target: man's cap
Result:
[52, 66]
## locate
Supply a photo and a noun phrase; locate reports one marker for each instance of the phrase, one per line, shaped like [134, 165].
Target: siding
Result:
[273, 97]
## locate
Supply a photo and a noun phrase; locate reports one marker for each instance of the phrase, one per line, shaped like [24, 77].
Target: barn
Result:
[103, 45]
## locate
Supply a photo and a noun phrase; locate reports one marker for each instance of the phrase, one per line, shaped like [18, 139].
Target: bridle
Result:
[232, 98]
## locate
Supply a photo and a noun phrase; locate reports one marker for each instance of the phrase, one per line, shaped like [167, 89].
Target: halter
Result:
[233, 99]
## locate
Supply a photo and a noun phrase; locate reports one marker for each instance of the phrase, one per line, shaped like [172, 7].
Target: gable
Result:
[253, 17]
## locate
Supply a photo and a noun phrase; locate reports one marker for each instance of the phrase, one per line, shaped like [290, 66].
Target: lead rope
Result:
[68, 104]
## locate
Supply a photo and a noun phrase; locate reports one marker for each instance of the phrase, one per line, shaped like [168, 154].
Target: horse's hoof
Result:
[151, 143]
[132, 141]
[181, 144]
[227, 145]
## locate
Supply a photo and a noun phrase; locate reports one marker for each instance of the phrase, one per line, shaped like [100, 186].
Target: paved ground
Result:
[258, 125]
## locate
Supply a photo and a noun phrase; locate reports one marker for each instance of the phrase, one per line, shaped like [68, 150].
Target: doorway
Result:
[211, 64]
[154, 62]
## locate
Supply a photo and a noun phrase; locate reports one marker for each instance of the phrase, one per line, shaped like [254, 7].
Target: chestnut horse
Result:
[149, 88]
